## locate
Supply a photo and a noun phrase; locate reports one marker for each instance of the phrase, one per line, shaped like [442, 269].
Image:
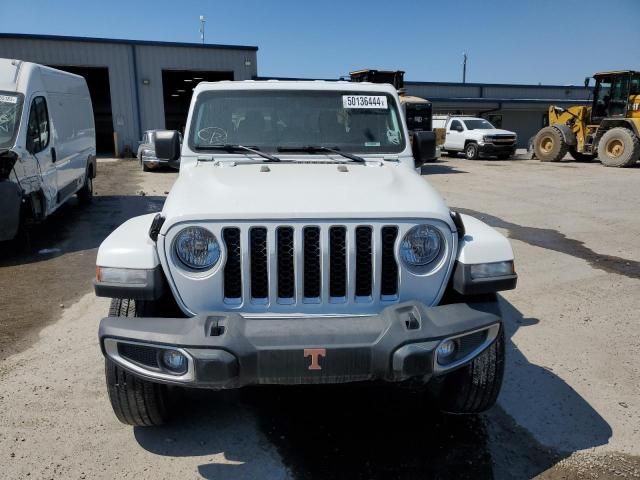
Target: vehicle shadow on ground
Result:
[75, 228]
[373, 432]
[439, 168]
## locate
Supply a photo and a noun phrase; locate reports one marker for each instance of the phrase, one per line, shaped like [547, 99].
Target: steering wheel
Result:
[212, 135]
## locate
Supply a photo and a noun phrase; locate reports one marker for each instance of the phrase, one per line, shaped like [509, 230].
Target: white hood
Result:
[493, 131]
[301, 191]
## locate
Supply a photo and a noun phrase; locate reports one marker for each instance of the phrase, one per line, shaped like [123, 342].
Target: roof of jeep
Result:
[296, 85]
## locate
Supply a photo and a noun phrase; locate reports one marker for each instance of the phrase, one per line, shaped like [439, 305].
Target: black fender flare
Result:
[567, 134]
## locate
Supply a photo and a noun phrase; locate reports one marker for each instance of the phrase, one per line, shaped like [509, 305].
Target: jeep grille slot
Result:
[364, 266]
[338, 262]
[389, 266]
[312, 276]
[232, 269]
[259, 273]
[286, 271]
[300, 267]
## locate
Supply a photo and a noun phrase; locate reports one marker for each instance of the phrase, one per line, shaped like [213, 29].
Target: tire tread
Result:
[134, 401]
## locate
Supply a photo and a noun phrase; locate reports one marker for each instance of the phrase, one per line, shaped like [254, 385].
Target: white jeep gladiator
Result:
[299, 246]
[476, 137]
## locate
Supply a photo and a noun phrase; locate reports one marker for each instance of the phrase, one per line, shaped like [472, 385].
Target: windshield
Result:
[478, 124]
[10, 108]
[271, 120]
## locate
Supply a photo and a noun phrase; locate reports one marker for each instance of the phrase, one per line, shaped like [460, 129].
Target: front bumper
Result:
[493, 149]
[227, 350]
[154, 162]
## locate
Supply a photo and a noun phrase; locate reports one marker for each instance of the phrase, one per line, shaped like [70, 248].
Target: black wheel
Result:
[143, 165]
[474, 388]
[580, 157]
[549, 145]
[452, 153]
[504, 156]
[85, 194]
[134, 401]
[618, 147]
[471, 151]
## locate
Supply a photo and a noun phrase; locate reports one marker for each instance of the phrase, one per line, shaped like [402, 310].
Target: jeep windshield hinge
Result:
[156, 225]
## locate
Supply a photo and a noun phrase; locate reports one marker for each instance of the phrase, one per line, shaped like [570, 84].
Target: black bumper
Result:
[492, 149]
[226, 350]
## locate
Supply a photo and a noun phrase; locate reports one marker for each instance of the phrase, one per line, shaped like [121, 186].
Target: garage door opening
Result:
[177, 89]
[98, 82]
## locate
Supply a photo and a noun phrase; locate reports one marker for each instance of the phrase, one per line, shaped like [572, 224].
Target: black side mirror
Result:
[586, 82]
[167, 145]
[424, 147]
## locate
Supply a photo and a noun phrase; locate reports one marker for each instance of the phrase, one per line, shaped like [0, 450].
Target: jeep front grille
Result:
[310, 264]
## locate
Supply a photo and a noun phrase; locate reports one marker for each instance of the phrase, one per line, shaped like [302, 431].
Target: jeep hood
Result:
[301, 191]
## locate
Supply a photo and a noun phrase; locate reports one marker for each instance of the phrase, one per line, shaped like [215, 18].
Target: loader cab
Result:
[611, 94]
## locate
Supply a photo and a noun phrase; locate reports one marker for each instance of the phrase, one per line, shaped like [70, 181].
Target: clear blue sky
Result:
[508, 41]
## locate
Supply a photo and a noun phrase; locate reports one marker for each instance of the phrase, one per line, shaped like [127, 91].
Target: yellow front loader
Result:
[608, 129]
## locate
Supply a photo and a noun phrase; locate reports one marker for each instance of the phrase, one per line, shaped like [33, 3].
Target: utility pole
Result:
[464, 67]
[202, 22]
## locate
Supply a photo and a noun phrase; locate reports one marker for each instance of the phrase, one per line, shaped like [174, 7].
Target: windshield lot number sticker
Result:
[364, 101]
[7, 99]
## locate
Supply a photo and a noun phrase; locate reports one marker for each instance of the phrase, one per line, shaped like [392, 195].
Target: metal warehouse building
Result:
[141, 85]
[519, 108]
[134, 85]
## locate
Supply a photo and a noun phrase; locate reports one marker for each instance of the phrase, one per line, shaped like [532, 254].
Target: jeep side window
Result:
[38, 127]
[455, 125]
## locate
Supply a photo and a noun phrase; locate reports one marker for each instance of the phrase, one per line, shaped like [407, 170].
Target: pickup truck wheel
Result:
[549, 145]
[134, 401]
[471, 151]
[143, 165]
[85, 194]
[619, 147]
[474, 388]
[504, 156]
[580, 157]
[452, 153]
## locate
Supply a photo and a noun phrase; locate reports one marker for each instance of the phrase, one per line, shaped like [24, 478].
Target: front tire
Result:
[134, 401]
[474, 388]
[549, 145]
[619, 147]
[143, 165]
[471, 151]
[504, 156]
[85, 194]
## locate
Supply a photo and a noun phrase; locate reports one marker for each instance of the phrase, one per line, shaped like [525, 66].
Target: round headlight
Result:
[197, 248]
[421, 245]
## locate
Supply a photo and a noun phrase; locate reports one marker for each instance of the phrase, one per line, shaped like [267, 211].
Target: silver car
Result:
[147, 153]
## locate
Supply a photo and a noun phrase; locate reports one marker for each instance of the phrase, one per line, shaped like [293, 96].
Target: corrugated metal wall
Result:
[152, 60]
[119, 59]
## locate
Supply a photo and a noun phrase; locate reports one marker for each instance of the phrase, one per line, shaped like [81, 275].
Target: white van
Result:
[47, 142]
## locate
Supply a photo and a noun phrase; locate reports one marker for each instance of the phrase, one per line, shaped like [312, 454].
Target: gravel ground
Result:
[569, 407]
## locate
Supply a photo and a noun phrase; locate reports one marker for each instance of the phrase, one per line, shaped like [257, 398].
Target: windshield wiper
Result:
[317, 149]
[229, 147]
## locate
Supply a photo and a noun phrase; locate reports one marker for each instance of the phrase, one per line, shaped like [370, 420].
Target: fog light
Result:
[174, 361]
[446, 350]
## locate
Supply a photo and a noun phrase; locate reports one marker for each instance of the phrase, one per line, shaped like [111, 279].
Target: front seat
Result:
[252, 129]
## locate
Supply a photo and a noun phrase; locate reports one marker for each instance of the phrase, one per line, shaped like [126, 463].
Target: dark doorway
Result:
[98, 82]
[177, 88]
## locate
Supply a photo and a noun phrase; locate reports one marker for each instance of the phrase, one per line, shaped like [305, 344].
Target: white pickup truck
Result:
[475, 137]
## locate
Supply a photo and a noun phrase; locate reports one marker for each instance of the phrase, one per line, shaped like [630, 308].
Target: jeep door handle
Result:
[53, 155]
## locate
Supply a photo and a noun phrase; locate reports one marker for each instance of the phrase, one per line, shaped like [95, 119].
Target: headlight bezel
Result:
[433, 264]
[191, 267]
